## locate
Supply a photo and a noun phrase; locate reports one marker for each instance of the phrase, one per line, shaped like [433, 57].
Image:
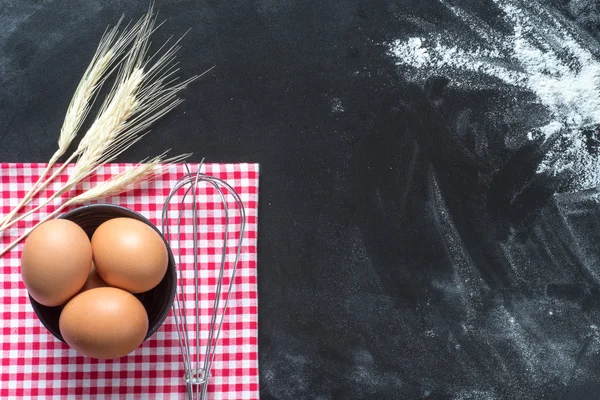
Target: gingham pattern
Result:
[36, 365]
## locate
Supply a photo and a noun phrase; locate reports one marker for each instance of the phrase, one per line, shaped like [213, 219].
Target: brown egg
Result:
[56, 261]
[93, 281]
[104, 323]
[129, 254]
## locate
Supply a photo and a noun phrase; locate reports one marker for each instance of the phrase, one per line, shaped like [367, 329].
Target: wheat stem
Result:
[28, 196]
[17, 241]
[56, 194]
[113, 186]
[37, 187]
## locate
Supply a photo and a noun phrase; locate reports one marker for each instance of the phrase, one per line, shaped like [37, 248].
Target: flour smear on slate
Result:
[538, 51]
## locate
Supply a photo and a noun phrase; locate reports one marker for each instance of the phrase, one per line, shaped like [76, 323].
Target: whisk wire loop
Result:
[198, 366]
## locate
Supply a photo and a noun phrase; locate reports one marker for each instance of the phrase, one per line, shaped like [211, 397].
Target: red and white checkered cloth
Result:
[37, 365]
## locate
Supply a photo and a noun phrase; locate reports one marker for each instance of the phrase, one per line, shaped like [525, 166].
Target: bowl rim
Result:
[136, 215]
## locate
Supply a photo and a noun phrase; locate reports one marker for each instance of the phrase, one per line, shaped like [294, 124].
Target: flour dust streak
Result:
[542, 53]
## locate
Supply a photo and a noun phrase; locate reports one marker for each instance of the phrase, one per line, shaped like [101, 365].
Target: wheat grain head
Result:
[108, 52]
[145, 90]
[127, 180]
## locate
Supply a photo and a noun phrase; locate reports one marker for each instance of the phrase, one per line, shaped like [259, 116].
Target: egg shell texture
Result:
[104, 323]
[56, 261]
[129, 254]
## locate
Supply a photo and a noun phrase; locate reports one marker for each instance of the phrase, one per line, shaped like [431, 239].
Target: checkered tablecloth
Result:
[37, 365]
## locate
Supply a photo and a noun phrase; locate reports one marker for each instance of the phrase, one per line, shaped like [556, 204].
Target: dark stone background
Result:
[397, 259]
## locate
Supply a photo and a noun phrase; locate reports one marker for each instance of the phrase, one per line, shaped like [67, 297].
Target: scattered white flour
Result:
[336, 105]
[543, 55]
[412, 52]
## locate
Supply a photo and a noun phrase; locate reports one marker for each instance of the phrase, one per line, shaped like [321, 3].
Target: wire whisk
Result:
[198, 355]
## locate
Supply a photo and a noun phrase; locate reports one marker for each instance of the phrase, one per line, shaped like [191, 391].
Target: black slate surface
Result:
[396, 260]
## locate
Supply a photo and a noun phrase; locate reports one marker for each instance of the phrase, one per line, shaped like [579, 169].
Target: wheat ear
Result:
[142, 93]
[110, 48]
[117, 184]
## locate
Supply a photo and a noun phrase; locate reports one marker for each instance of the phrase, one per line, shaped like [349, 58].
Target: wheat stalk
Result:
[110, 48]
[117, 184]
[143, 93]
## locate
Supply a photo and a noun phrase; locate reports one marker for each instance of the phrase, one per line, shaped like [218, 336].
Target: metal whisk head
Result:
[198, 354]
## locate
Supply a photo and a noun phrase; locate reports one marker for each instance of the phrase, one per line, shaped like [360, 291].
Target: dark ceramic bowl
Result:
[157, 301]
